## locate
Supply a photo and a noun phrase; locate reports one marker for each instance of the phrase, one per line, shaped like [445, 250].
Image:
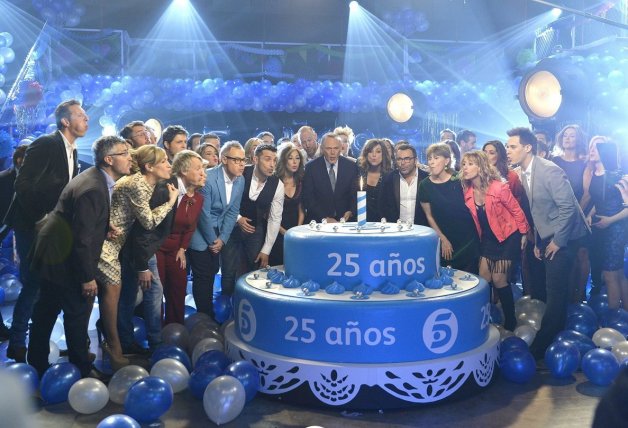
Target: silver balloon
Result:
[537, 306]
[175, 334]
[522, 304]
[12, 292]
[530, 318]
[207, 344]
[224, 399]
[88, 396]
[606, 338]
[620, 351]
[526, 332]
[16, 405]
[122, 380]
[503, 333]
[173, 372]
[194, 319]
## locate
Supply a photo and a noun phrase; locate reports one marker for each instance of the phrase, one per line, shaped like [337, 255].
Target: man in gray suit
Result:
[558, 222]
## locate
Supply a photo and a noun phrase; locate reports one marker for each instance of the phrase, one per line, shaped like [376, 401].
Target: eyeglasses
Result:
[125, 153]
[236, 160]
[405, 160]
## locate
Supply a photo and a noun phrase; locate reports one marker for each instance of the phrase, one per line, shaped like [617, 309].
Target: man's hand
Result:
[114, 232]
[217, 246]
[537, 253]
[602, 222]
[262, 259]
[144, 279]
[180, 257]
[551, 250]
[90, 289]
[244, 223]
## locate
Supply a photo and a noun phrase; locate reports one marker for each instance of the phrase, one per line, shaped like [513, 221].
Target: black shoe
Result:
[17, 353]
[97, 374]
[134, 349]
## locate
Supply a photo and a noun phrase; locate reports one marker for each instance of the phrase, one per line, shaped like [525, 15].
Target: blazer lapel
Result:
[397, 192]
[222, 187]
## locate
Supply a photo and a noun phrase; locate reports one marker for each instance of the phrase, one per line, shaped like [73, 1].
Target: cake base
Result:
[369, 386]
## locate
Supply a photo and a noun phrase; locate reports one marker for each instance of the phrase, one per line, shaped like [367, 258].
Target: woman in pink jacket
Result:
[500, 222]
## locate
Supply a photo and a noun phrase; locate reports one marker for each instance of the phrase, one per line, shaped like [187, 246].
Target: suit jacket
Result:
[217, 215]
[319, 200]
[389, 199]
[40, 181]
[7, 189]
[68, 246]
[554, 208]
[142, 244]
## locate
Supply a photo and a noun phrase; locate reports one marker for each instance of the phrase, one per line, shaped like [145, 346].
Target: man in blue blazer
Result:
[330, 184]
[222, 194]
[559, 226]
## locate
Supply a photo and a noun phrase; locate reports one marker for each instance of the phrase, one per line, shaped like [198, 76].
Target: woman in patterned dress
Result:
[129, 202]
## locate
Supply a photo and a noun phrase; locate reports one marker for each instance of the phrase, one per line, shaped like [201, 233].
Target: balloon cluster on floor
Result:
[594, 340]
[191, 357]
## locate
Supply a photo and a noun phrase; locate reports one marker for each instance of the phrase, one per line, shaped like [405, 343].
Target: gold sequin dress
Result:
[129, 202]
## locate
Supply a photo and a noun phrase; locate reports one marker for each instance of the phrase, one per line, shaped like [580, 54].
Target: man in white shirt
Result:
[261, 208]
[308, 141]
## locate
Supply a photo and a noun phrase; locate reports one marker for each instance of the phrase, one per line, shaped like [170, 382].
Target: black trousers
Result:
[53, 299]
[205, 265]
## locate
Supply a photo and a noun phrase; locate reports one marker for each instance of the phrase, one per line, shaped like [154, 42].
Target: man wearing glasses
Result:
[222, 194]
[399, 197]
[136, 133]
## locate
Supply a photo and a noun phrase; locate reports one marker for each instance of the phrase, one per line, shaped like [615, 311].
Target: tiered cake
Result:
[364, 318]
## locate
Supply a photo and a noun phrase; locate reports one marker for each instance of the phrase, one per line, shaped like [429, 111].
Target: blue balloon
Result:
[512, 343]
[118, 421]
[201, 377]
[562, 358]
[171, 351]
[222, 308]
[1, 295]
[517, 366]
[148, 399]
[189, 310]
[213, 358]
[56, 382]
[600, 366]
[248, 375]
[582, 323]
[139, 330]
[581, 308]
[583, 342]
[25, 373]
[599, 304]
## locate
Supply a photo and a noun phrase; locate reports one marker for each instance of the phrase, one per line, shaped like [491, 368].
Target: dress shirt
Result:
[276, 210]
[182, 190]
[228, 185]
[69, 151]
[527, 173]
[110, 182]
[407, 197]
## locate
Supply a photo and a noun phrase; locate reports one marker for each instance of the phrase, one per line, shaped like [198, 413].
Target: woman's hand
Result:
[446, 249]
[524, 241]
[173, 193]
[180, 257]
[602, 222]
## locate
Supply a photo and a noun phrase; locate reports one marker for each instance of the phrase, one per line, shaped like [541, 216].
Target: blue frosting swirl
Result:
[434, 283]
[311, 286]
[447, 280]
[446, 270]
[415, 286]
[389, 288]
[334, 288]
[364, 289]
[291, 282]
[276, 276]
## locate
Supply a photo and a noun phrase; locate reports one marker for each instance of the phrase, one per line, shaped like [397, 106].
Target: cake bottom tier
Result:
[369, 386]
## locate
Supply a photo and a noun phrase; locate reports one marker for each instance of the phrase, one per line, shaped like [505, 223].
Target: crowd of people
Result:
[148, 212]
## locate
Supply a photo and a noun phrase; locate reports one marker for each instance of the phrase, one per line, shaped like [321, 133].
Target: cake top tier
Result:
[352, 228]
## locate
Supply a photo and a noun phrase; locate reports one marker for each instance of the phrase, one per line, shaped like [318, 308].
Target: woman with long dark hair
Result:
[373, 163]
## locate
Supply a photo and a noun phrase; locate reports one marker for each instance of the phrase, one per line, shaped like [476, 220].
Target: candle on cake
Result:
[361, 204]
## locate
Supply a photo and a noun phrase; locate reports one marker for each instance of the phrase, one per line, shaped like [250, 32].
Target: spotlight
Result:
[400, 107]
[556, 12]
[155, 125]
[555, 88]
[181, 3]
[353, 5]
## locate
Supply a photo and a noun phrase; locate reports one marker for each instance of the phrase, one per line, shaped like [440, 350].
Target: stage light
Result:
[400, 107]
[181, 3]
[554, 89]
[556, 12]
[353, 5]
[155, 125]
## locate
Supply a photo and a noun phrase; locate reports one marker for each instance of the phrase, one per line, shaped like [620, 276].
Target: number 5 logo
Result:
[440, 331]
[247, 323]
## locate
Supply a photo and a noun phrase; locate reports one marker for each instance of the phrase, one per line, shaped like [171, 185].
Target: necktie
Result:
[332, 177]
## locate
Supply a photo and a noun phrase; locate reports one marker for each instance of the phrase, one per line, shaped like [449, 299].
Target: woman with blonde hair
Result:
[129, 202]
[290, 170]
[443, 203]
[249, 149]
[209, 153]
[500, 223]
[373, 164]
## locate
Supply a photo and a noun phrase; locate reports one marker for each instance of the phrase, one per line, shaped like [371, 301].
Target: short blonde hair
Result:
[183, 160]
[486, 171]
[146, 155]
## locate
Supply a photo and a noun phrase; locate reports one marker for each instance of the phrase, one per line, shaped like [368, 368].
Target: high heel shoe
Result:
[115, 361]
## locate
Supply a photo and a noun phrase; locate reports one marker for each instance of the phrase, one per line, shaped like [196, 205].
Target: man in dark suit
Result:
[559, 226]
[66, 253]
[399, 195]
[49, 164]
[330, 184]
[222, 195]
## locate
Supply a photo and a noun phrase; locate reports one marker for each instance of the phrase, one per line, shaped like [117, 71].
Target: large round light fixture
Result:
[400, 107]
[155, 125]
[542, 93]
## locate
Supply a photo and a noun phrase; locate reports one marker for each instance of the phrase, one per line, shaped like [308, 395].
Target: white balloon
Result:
[88, 396]
[620, 351]
[122, 380]
[224, 399]
[207, 344]
[526, 332]
[173, 372]
[607, 338]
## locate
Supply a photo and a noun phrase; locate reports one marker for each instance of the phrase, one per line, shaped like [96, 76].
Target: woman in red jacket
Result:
[189, 173]
[500, 222]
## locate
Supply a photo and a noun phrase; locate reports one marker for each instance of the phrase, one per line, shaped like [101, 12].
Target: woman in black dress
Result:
[290, 170]
[442, 200]
[373, 163]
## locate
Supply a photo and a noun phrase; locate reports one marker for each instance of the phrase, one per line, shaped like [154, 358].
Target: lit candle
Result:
[361, 205]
